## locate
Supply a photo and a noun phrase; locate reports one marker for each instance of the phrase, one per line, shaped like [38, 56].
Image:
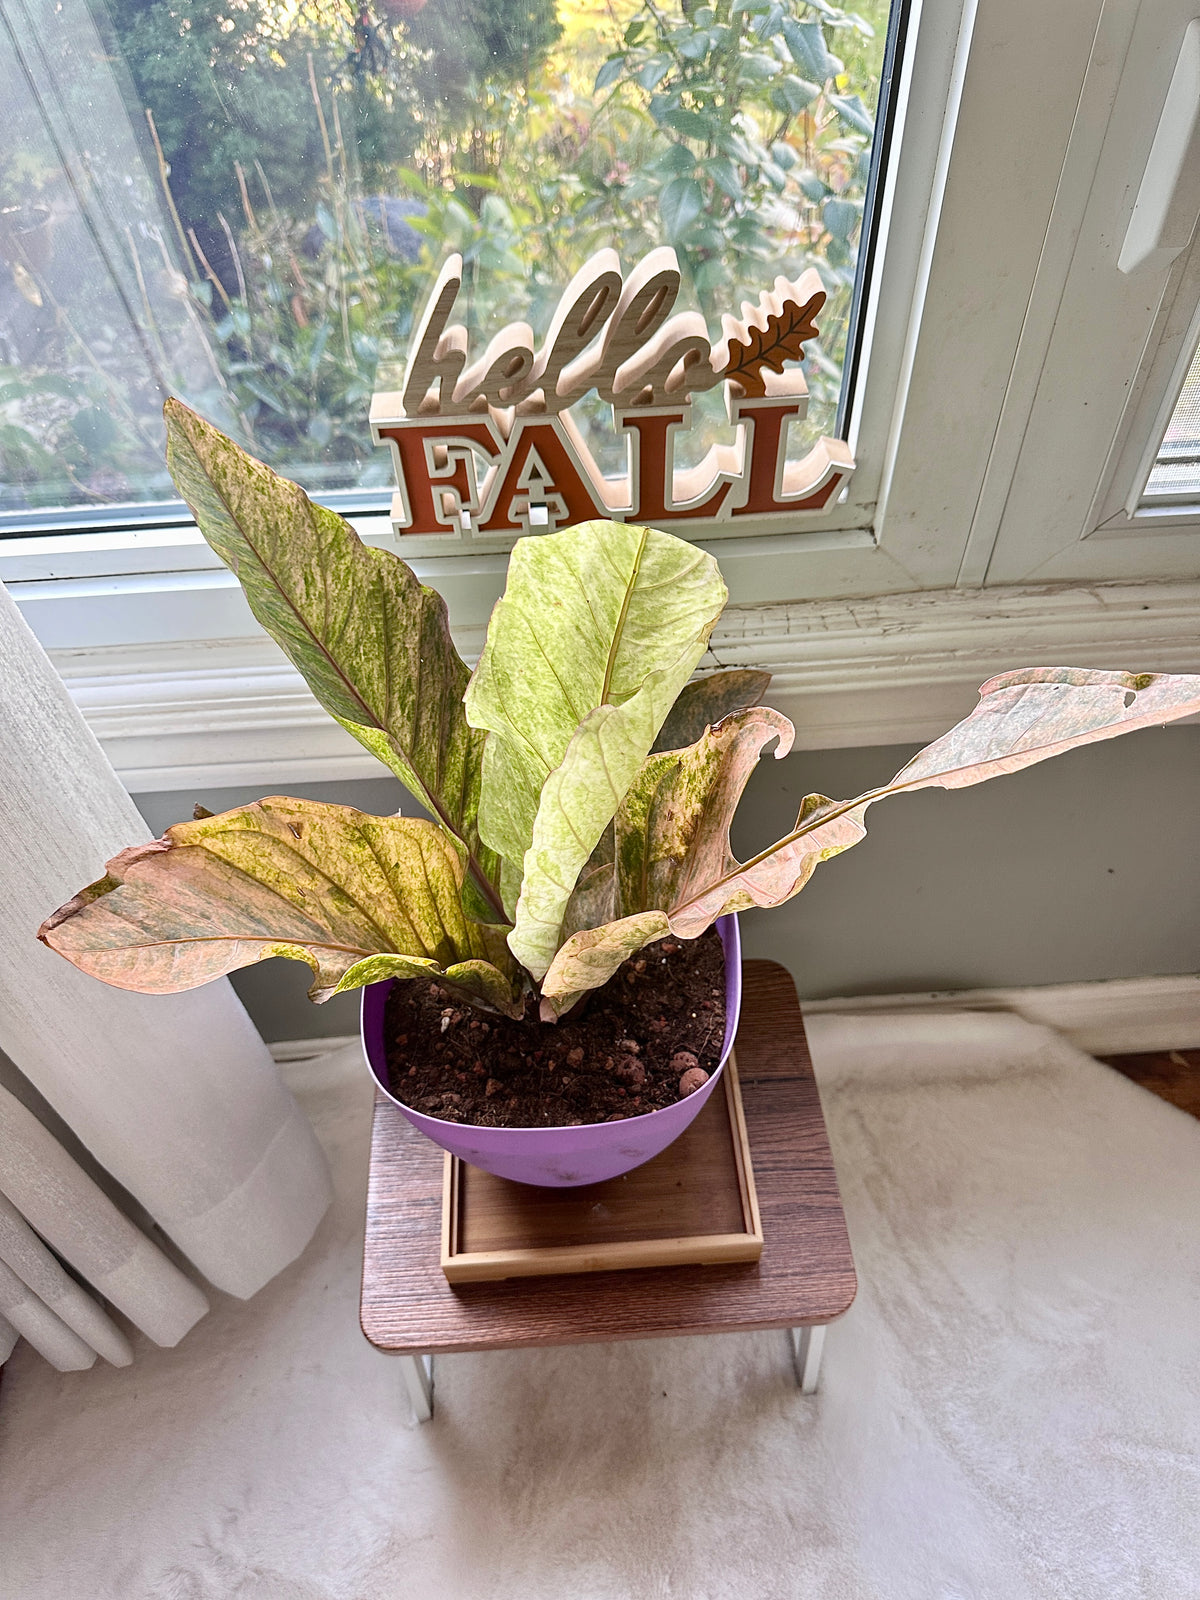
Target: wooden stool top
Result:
[805, 1276]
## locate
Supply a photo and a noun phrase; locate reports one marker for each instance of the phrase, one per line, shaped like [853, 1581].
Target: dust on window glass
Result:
[243, 202]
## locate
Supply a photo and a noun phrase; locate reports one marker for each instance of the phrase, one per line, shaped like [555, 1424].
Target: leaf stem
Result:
[841, 808]
[482, 882]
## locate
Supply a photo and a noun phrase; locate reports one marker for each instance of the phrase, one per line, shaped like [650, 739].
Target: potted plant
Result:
[544, 991]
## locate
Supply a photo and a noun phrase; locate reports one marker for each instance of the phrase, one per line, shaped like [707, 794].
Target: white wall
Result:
[1083, 868]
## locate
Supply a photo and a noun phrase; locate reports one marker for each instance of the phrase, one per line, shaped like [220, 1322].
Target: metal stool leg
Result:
[418, 1380]
[807, 1345]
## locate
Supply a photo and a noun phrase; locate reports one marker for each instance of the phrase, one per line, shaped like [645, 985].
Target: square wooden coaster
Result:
[695, 1203]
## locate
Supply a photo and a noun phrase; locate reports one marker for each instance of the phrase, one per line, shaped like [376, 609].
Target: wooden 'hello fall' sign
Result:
[485, 446]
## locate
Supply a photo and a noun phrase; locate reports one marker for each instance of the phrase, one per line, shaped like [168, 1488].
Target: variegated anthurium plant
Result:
[579, 788]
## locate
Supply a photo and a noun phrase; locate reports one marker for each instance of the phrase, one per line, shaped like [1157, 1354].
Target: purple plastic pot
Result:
[562, 1157]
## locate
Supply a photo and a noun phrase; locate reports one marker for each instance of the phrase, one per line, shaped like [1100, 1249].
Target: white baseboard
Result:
[1117, 1016]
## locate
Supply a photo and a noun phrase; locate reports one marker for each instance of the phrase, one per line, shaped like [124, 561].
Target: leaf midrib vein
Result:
[431, 800]
[618, 630]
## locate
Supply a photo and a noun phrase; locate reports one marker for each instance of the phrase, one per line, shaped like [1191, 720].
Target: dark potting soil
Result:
[660, 1017]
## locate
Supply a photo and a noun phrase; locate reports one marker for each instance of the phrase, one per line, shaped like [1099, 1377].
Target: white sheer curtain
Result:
[175, 1096]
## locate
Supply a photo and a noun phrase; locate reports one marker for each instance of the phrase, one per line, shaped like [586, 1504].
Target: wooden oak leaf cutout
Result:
[771, 333]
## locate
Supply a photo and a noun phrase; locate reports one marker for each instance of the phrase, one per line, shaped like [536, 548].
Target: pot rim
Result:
[730, 936]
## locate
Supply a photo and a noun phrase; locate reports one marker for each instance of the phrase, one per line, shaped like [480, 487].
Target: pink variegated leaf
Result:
[1022, 717]
[672, 835]
[1027, 716]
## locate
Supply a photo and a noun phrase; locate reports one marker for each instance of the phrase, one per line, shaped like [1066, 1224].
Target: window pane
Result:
[1175, 475]
[244, 201]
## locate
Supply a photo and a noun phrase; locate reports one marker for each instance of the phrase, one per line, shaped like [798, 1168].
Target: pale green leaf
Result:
[589, 958]
[328, 885]
[599, 628]
[372, 644]
[589, 616]
[577, 803]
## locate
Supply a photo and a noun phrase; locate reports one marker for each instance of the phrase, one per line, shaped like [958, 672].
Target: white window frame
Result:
[1102, 354]
[1121, 507]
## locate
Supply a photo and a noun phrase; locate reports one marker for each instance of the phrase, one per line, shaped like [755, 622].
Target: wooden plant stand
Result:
[803, 1280]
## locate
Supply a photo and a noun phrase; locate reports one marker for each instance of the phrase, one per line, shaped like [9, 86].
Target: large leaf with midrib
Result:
[372, 643]
[675, 871]
[599, 628]
[358, 897]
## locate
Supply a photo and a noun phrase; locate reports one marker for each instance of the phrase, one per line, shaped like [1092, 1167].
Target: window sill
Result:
[891, 669]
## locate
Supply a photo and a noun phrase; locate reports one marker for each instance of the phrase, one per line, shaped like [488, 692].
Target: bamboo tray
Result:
[694, 1204]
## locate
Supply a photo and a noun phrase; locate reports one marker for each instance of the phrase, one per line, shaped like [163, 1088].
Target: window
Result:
[1175, 476]
[1002, 385]
[244, 202]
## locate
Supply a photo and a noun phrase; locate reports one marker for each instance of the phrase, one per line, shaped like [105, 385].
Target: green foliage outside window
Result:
[318, 159]
[759, 104]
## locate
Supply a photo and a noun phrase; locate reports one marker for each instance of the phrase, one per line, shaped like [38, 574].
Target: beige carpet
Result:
[1011, 1409]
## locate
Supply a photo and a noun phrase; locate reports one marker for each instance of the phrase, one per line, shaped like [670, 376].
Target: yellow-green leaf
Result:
[372, 644]
[355, 896]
